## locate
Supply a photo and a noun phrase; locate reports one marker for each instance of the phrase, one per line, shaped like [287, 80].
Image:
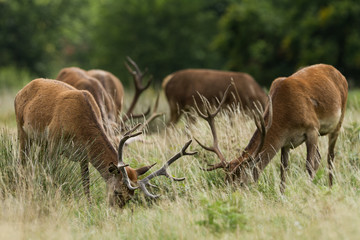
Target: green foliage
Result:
[274, 38]
[224, 214]
[164, 36]
[13, 78]
[36, 33]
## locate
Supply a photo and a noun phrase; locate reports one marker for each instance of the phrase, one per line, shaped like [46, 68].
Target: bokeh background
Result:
[266, 38]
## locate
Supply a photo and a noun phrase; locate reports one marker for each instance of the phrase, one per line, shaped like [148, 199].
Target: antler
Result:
[121, 165]
[260, 124]
[209, 117]
[139, 88]
[162, 171]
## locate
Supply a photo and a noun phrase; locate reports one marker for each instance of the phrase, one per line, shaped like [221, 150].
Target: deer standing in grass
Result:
[55, 111]
[181, 86]
[308, 104]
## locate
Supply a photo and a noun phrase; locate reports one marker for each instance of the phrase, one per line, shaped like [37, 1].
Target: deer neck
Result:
[101, 154]
[258, 163]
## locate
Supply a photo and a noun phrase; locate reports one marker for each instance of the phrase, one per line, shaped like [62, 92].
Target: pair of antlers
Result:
[160, 172]
[209, 115]
[138, 76]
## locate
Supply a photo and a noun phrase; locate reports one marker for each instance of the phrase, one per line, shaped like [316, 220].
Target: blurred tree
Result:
[164, 36]
[274, 38]
[36, 33]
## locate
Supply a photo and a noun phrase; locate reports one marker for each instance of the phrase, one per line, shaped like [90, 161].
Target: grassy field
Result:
[44, 199]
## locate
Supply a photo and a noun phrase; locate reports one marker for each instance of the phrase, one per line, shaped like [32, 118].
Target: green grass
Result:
[44, 198]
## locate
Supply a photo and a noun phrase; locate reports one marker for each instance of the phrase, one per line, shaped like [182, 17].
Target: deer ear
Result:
[143, 170]
[113, 169]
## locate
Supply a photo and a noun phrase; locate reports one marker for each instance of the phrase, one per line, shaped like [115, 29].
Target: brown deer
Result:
[53, 111]
[308, 104]
[112, 85]
[79, 79]
[181, 86]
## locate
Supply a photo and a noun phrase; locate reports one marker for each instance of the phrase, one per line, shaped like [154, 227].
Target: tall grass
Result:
[43, 199]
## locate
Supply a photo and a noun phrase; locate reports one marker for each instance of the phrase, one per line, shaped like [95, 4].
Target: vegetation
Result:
[266, 38]
[44, 199]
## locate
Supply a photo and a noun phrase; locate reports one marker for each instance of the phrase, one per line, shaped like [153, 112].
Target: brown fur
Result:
[54, 110]
[112, 85]
[79, 79]
[308, 104]
[181, 86]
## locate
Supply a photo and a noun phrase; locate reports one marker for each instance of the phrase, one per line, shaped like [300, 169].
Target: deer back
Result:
[181, 86]
[112, 85]
[79, 79]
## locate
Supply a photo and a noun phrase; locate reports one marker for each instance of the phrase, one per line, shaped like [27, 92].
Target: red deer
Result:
[308, 104]
[181, 86]
[79, 79]
[112, 85]
[53, 110]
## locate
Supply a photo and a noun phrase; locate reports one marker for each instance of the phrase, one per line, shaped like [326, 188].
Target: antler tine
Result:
[133, 63]
[222, 101]
[138, 75]
[209, 117]
[139, 88]
[213, 167]
[162, 171]
[141, 115]
[121, 165]
[197, 109]
[261, 126]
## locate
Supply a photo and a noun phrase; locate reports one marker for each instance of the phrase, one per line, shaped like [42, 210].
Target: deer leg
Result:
[175, 113]
[25, 144]
[284, 167]
[85, 176]
[313, 155]
[332, 141]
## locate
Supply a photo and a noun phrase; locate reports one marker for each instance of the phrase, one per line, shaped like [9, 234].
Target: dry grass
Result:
[44, 199]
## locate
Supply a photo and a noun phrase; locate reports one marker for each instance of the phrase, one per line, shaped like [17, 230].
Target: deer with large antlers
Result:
[181, 86]
[308, 104]
[55, 111]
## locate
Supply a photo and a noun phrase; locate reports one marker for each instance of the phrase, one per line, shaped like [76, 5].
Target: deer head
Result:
[124, 181]
[235, 170]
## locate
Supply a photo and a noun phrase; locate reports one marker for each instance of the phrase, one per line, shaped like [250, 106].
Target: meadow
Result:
[44, 199]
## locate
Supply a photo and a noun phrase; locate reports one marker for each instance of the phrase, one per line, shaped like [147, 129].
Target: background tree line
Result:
[266, 38]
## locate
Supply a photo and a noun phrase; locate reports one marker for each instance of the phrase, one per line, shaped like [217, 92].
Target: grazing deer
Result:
[53, 110]
[308, 104]
[112, 85]
[181, 86]
[79, 79]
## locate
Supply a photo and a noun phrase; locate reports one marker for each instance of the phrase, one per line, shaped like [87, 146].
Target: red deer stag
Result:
[181, 86]
[79, 79]
[52, 110]
[308, 104]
